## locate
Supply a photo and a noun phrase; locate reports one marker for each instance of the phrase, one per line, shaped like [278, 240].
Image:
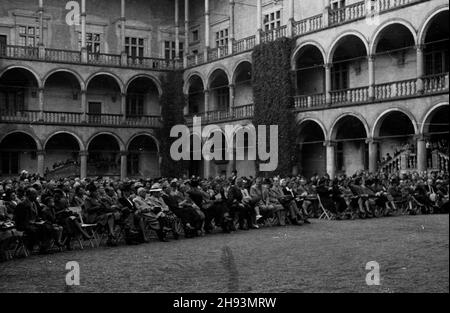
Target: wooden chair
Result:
[89, 228]
[326, 214]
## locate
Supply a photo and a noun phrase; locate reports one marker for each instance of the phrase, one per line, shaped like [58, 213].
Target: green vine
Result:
[172, 104]
[272, 92]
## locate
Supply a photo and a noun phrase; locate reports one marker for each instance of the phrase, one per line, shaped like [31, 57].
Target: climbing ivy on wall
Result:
[172, 103]
[272, 91]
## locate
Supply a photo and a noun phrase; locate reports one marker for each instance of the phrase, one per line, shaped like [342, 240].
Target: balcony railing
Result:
[194, 59]
[402, 88]
[65, 56]
[435, 83]
[62, 117]
[25, 116]
[353, 95]
[19, 52]
[217, 53]
[308, 25]
[274, 34]
[237, 113]
[77, 118]
[347, 13]
[243, 112]
[72, 56]
[104, 58]
[309, 101]
[153, 63]
[244, 44]
[143, 120]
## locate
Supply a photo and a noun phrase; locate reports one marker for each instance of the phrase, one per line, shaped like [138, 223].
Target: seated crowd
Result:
[48, 214]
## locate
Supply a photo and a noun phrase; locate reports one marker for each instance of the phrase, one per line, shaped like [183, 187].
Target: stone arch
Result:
[379, 31]
[112, 75]
[24, 67]
[314, 120]
[236, 67]
[150, 135]
[119, 140]
[65, 70]
[379, 121]
[81, 145]
[187, 81]
[33, 136]
[335, 43]
[214, 70]
[429, 114]
[423, 29]
[154, 79]
[303, 45]
[333, 129]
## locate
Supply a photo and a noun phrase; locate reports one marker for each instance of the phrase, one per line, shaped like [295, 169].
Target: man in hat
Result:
[159, 205]
[151, 217]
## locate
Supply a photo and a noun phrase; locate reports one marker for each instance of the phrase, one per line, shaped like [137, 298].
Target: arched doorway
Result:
[104, 156]
[196, 96]
[436, 132]
[351, 150]
[394, 52]
[243, 91]
[349, 70]
[18, 152]
[394, 133]
[436, 53]
[62, 93]
[143, 157]
[103, 97]
[311, 150]
[310, 75]
[142, 98]
[219, 91]
[18, 92]
[62, 156]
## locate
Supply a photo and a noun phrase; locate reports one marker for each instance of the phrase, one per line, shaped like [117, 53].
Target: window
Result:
[339, 76]
[272, 20]
[135, 105]
[340, 156]
[436, 62]
[28, 36]
[169, 50]
[222, 38]
[337, 4]
[134, 47]
[133, 164]
[195, 36]
[93, 42]
[12, 100]
[10, 162]
[339, 15]
[223, 98]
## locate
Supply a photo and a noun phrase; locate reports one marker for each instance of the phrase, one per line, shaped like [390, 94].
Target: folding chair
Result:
[326, 214]
[90, 228]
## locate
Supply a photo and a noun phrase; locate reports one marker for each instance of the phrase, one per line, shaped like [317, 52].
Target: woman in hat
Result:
[97, 213]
